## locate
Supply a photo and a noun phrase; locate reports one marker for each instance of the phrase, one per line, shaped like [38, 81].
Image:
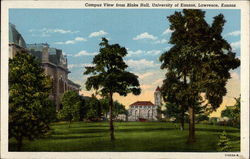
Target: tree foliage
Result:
[198, 62]
[94, 111]
[71, 103]
[83, 108]
[109, 75]
[30, 110]
[224, 144]
[233, 113]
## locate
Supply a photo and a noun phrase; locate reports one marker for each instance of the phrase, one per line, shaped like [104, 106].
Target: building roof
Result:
[55, 55]
[73, 84]
[15, 37]
[158, 89]
[142, 103]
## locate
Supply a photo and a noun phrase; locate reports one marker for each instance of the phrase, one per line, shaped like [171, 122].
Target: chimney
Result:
[45, 54]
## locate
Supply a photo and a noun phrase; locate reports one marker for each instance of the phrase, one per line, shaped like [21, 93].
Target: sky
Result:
[143, 32]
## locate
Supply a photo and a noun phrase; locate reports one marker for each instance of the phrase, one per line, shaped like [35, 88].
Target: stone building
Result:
[146, 110]
[53, 61]
[16, 41]
[56, 66]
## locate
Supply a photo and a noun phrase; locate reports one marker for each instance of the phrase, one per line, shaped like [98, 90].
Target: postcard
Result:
[125, 79]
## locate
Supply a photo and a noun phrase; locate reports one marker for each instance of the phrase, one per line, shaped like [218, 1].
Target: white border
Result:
[244, 154]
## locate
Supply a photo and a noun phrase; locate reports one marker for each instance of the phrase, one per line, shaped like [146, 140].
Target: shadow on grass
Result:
[233, 138]
[81, 131]
[73, 137]
[216, 130]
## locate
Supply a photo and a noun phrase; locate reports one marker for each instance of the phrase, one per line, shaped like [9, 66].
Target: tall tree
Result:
[71, 102]
[200, 60]
[109, 75]
[30, 110]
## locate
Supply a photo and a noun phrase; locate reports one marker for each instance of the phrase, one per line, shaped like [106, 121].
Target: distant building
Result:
[146, 110]
[53, 61]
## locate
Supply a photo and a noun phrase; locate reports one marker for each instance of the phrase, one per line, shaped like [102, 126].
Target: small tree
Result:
[93, 109]
[71, 103]
[224, 143]
[175, 111]
[119, 109]
[109, 75]
[105, 106]
[83, 109]
[30, 110]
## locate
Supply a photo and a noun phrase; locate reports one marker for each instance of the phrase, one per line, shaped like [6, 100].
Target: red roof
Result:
[158, 89]
[142, 103]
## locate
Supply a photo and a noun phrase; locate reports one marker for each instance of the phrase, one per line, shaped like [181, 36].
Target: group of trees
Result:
[31, 110]
[198, 63]
[78, 108]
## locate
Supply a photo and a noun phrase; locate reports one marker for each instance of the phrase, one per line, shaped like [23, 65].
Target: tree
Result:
[83, 108]
[199, 62]
[109, 75]
[233, 113]
[105, 106]
[119, 109]
[30, 110]
[71, 103]
[175, 111]
[93, 109]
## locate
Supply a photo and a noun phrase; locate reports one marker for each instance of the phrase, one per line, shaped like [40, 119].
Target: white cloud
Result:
[144, 75]
[45, 32]
[145, 35]
[141, 64]
[167, 31]
[140, 52]
[137, 52]
[234, 33]
[62, 31]
[154, 52]
[85, 53]
[79, 65]
[162, 41]
[99, 33]
[77, 39]
[235, 45]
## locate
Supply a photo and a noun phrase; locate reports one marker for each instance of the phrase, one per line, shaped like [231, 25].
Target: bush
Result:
[224, 144]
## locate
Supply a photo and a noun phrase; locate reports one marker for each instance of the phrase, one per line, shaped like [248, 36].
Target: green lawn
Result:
[130, 136]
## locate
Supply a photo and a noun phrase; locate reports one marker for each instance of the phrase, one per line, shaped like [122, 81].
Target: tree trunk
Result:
[191, 137]
[111, 126]
[69, 123]
[19, 143]
[182, 120]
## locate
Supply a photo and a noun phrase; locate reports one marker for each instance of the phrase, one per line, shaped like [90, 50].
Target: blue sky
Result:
[144, 32]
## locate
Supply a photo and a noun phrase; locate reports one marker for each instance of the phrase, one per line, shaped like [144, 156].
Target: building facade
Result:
[146, 110]
[52, 60]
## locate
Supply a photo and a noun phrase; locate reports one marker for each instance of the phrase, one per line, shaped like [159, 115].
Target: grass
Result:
[130, 136]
